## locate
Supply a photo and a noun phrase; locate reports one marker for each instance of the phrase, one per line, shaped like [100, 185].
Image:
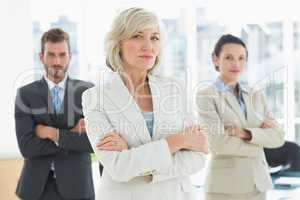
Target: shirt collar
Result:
[51, 84]
[222, 87]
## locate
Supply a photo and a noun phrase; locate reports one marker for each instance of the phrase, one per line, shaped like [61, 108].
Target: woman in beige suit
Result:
[239, 126]
[139, 118]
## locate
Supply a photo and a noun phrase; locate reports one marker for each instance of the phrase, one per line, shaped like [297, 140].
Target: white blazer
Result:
[147, 171]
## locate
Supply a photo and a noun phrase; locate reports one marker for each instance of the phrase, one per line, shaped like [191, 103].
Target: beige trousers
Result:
[255, 195]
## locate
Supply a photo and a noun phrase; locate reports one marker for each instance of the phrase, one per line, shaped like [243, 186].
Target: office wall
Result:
[16, 61]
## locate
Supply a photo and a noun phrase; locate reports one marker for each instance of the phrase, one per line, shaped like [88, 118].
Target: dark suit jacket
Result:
[72, 155]
[287, 156]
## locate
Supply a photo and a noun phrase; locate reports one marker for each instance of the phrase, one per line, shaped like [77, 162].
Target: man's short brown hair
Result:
[54, 35]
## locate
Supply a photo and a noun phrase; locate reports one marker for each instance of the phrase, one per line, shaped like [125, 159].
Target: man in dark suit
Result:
[50, 129]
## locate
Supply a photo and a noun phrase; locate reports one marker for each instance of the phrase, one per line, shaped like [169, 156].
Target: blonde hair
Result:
[125, 25]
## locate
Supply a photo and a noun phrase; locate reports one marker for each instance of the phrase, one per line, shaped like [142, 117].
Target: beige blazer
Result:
[147, 171]
[236, 166]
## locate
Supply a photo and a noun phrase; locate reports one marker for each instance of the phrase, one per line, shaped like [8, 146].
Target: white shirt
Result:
[61, 84]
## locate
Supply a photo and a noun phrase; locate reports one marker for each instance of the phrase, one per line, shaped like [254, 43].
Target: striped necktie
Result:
[56, 101]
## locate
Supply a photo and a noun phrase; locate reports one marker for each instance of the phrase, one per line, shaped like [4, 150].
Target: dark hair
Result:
[227, 39]
[54, 35]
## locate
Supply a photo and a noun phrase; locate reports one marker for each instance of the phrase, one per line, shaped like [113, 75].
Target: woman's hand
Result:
[269, 124]
[194, 139]
[191, 138]
[112, 141]
[240, 133]
[246, 135]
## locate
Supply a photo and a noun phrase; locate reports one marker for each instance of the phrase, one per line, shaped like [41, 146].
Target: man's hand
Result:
[46, 132]
[79, 127]
[112, 141]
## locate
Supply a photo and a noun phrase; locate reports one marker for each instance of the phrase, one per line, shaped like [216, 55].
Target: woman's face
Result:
[231, 61]
[141, 50]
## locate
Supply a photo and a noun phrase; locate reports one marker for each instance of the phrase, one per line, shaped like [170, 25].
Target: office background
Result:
[271, 29]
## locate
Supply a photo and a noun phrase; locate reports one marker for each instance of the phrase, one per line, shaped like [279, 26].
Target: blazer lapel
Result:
[46, 96]
[118, 94]
[155, 93]
[252, 117]
[232, 101]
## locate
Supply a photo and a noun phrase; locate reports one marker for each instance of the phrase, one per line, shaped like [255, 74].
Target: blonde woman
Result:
[146, 151]
[239, 126]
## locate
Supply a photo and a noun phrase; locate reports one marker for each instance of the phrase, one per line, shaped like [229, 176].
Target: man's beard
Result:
[56, 71]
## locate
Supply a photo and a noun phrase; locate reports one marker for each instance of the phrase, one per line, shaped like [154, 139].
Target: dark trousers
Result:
[100, 169]
[288, 154]
[51, 192]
